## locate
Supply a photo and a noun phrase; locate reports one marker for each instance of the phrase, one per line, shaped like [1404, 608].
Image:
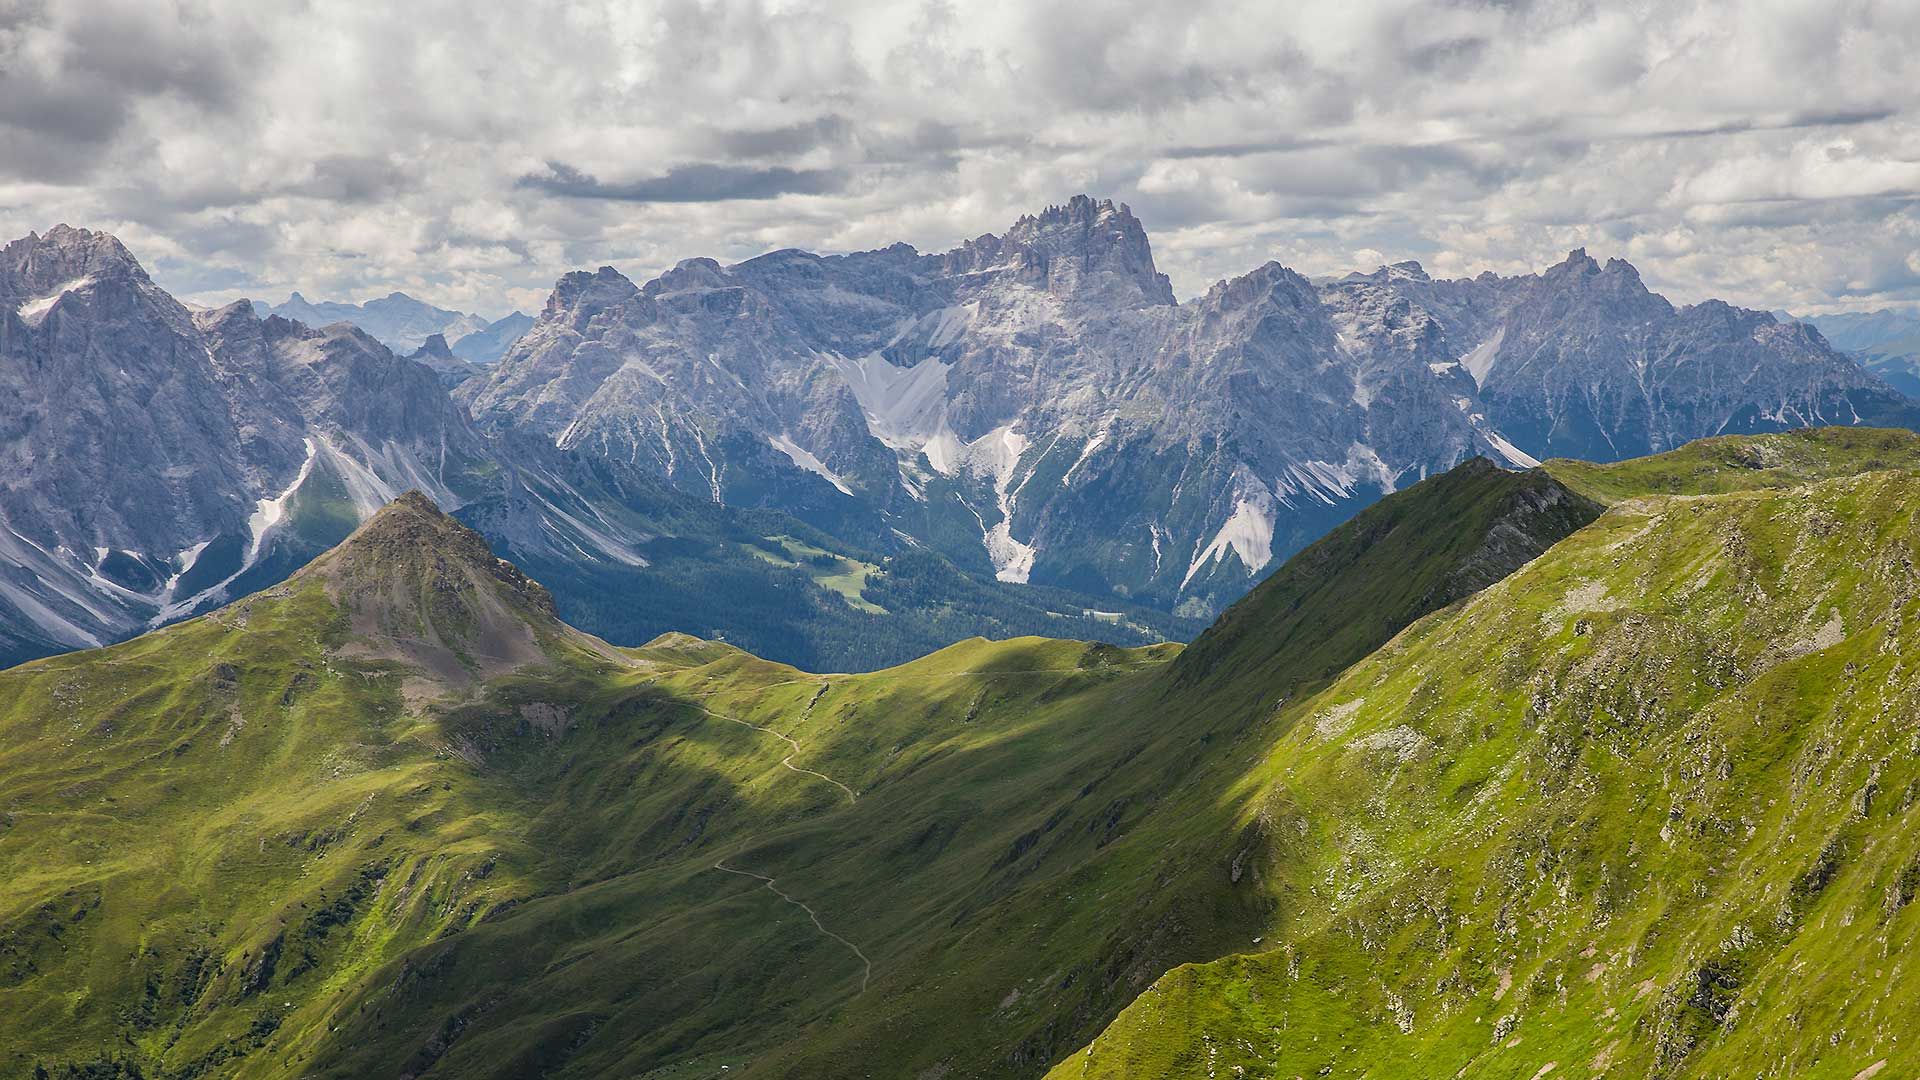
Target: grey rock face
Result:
[155, 461]
[159, 462]
[1037, 406]
[1885, 342]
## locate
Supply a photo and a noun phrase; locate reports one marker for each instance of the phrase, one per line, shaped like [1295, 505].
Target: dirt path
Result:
[866, 976]
[828, 680]
[787, 761]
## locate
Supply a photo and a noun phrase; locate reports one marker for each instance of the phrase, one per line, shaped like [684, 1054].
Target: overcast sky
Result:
[1764, 152]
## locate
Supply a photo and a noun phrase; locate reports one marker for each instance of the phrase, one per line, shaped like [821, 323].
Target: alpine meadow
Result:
[816, 539]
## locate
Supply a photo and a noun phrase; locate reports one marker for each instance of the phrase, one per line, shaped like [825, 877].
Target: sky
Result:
[1765, 152]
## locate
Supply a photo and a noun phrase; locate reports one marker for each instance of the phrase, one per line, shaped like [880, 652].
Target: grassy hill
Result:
[392, 818]
[1645, 807]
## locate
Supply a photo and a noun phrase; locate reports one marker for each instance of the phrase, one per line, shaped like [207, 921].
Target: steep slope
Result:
[209, 809]
[1644, 807]
[1413, 552]
[392, 818]
[1037, 407]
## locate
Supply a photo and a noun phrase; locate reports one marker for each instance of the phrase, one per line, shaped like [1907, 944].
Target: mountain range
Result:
[1038, 407]
[840, 461]
[1573, 770]
[159, 462]
[407, 325]
[1885, 342]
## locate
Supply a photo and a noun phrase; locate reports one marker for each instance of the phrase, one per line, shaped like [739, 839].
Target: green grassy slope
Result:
[394, 818]
[1413, 552]
[1744, 463]
[1646, 807]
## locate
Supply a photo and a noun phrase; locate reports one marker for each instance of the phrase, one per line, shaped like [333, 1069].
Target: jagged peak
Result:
[1080, 209]
[1085, 234]
[435, 346]
[603, 286]
[64, 253]
[699, 272]
[1576, 262]
[1258, 282]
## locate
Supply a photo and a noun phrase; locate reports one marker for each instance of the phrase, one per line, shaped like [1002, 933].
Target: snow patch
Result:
[1247, 533]
[948, 324]
[34, 310]
[802, 457]
[1329, 482]
[997, 454]
[905, 407]
[1514, 455]
[1479, 361]
[1099, 438]
[945, 452]
[269, 512]
[51, 622]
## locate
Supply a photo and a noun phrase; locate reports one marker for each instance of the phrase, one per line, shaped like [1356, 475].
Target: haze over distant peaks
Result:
[403, 324]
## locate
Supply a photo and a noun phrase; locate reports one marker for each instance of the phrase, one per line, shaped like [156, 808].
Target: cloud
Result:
[74, 76]
[469, 154]
[690, 183]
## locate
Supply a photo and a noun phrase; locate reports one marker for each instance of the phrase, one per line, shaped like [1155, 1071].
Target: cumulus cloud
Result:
[1767, 152]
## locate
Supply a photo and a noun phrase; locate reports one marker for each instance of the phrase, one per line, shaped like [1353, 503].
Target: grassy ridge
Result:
[1744, 463]
[1646, 807]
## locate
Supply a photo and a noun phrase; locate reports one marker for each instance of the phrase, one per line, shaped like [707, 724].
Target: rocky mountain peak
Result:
[405, 530]
[1268, 281]
[1577, 263]
[579, 288]
[425, 590]
[436, 347]
[39, 267]
[410, 551]
[1615, 286]
[689, 275]
[1092, 249]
